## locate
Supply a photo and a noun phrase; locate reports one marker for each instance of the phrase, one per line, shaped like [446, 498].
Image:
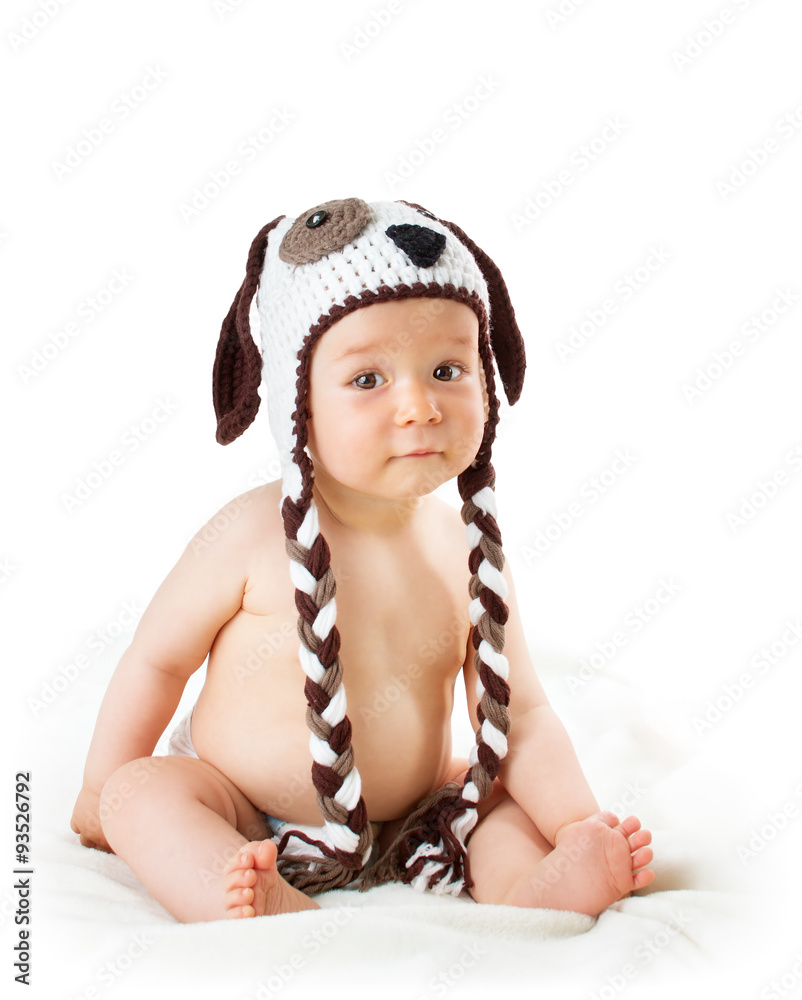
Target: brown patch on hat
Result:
[323, 229]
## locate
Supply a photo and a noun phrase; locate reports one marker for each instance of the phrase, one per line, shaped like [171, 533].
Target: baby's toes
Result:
[642, 858]
[266, 855]
[629, 825]
[239, 893]
[240, 878]
[239, 912]
[609, 818]
[640, 839]
[642, 878]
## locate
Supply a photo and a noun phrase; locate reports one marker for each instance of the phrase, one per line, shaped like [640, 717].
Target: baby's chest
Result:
[391, 619]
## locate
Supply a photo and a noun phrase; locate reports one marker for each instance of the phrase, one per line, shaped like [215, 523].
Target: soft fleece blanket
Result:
[706, 923]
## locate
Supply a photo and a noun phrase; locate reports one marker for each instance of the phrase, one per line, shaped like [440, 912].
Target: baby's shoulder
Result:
[250, 519]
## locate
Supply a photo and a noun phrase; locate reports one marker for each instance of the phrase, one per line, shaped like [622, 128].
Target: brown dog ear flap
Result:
[505, 337]
[237, 372]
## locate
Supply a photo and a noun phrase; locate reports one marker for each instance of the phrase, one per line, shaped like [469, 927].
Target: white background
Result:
[693, 101]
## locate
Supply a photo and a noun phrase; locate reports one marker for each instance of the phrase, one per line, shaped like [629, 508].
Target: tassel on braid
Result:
[334, 774]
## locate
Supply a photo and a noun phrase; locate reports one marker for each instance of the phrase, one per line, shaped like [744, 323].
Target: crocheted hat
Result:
[302, 275]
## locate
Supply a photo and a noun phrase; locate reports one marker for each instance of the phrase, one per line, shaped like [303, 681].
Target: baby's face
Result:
[396, 398]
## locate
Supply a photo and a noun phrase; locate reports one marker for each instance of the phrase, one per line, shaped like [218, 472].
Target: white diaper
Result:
[180, 743]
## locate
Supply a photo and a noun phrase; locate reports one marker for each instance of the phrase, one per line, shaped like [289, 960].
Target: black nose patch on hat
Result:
[423, 246]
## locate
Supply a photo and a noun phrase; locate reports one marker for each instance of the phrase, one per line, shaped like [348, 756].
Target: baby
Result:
[380, 325]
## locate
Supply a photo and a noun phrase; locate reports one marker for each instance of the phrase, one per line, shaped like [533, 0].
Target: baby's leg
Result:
[597, 862]
[192, 838]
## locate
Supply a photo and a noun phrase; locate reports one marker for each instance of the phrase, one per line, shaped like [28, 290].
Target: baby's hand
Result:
[86, 820]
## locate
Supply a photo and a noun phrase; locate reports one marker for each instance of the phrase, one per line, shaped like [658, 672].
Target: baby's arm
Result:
[200, 594]
[541, 770]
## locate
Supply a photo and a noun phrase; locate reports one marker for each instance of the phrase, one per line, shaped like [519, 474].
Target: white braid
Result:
[321, 751]
[324, 622]
[462, 825]
[475, 610]
[494, 738]
[310, 528]
[485, 500]
[312, 666]
[497, 662]
[470, 792]
[342, 836]
[334, 712]
[493, 579]
[349, 793]
[302, 578]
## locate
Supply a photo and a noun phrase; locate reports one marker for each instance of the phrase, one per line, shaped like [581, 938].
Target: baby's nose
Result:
[416, 405]
[423, 246]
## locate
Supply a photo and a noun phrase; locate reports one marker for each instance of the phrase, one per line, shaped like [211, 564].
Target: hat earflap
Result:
[237, 372]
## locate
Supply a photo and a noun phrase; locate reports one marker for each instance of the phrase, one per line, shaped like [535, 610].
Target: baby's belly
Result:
[250, 720]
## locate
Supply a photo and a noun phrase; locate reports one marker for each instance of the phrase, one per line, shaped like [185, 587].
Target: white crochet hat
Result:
[305, 274]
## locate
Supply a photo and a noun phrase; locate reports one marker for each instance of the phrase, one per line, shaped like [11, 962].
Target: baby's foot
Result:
[596, 862]
[253, 886]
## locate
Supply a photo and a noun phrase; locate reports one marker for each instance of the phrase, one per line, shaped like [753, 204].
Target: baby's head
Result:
[380, 325]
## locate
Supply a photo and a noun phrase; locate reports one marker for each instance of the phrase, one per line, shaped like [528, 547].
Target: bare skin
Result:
[193, 830]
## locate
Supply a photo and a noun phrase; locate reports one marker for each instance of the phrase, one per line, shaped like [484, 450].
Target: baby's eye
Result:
[447, 373]
[367, 380]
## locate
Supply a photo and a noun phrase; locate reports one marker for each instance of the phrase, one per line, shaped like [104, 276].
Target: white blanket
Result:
[704, 922]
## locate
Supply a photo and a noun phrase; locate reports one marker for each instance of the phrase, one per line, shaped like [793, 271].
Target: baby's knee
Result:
[128, 786]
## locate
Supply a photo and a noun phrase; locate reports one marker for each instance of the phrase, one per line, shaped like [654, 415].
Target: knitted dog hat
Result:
[305, 274]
